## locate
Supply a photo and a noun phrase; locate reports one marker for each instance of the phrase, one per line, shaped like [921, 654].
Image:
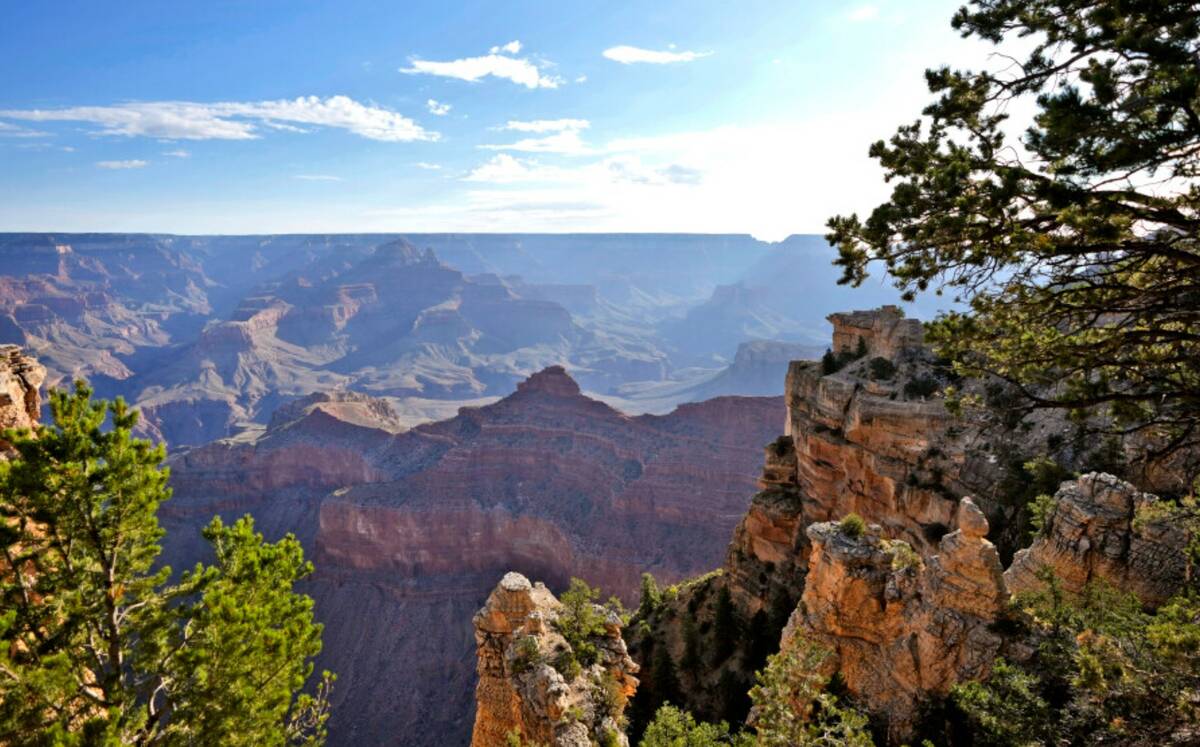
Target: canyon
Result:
[208, 335]
[409, 529]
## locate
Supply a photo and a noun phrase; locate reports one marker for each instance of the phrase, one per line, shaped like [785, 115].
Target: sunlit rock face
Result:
[901, 628]
[21, 377]
[521, 693]
[1102, 528]
[919, 601]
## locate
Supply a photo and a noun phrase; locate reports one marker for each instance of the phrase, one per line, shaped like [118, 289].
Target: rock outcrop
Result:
[21, 378]
[903, 629]
[1102, 528]
[521, 693]
[918, 602]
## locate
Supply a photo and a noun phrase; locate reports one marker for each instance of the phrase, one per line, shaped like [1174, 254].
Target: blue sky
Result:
[749, 117]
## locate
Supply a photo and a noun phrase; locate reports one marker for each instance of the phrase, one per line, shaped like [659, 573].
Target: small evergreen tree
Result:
[651, 597]
[673, 727]
[690, 663]
[792, 709]
[96, 647]
[725, 627]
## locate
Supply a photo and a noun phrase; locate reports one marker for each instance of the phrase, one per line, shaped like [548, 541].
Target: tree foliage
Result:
[1106, 672]
[97, 646]
[792, 707]
[1074, 242]
[673, 727]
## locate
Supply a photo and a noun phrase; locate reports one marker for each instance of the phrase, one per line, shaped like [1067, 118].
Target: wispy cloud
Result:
[318, 178]
[427, 166]
[178, 153]
[519, 70]
[437, 107]
[184, 120]
[628, 55]
[864, 13]
[546, 125]
[564, 136]
[11, 130]
[131, 164]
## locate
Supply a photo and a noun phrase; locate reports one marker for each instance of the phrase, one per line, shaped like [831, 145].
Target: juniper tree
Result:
[97, 646]
[1074, 245]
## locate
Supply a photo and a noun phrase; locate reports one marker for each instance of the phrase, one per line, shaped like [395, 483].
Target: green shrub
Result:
[853, 525]
[527, 655]
[580, 620]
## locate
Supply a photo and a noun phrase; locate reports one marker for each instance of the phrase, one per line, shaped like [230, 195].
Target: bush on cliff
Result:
[97, 646]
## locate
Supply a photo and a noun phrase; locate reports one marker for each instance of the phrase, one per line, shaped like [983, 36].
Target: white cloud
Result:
[427, 166]
[178, 153]
[318, 178]
[131, 164]
[11, 130]
[519, 70]
[546, 125]
[505, 169]
[864, 13]
[581, 79]
[564, 136]
[513, 47]
[437, 107]
[627, 55]
[185, 120]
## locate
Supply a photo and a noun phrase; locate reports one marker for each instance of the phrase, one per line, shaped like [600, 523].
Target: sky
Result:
[269, 117]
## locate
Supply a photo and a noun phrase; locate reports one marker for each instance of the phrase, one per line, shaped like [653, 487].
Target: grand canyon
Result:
[673, 374]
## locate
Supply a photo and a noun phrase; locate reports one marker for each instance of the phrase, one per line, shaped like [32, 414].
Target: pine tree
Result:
[1075, 244]
[725, 627]
[96, 646]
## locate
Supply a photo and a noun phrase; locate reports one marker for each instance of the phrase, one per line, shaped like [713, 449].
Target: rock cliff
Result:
[919, 600]
[21, 378]
[903, 629]
[521, 693]
[1103, 528]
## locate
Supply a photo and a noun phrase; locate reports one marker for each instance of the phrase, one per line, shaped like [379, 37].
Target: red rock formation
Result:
[409, 531]
[1103, 528]
[901, 629]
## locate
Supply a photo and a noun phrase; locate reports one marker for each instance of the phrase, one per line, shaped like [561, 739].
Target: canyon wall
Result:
[410, 530]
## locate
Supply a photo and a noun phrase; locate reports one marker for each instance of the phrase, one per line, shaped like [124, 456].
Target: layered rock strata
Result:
[409, 531]
[915, 604]
[1102, 528]
[521, 694]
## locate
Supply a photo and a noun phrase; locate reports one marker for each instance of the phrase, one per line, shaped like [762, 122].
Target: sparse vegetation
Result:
[852, 525]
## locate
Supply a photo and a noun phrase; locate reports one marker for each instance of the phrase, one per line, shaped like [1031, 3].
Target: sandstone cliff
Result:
[21, 378]
[918, 601]
[521, 693]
